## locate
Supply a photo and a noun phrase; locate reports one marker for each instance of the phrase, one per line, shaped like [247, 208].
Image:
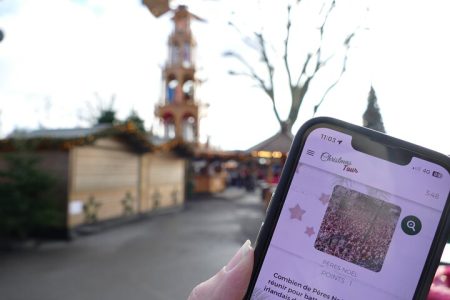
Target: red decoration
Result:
[440, 288]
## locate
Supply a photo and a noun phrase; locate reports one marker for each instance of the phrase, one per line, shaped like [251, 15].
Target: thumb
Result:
[231, 281]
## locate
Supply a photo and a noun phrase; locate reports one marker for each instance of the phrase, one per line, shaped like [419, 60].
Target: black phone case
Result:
[273, 211]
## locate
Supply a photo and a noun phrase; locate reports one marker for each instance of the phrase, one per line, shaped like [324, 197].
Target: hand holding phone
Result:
[357, 215]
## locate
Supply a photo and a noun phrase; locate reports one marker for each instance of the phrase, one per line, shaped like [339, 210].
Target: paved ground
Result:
[162, 257]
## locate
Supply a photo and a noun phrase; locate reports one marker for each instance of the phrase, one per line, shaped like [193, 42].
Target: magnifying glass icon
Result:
[411, 225]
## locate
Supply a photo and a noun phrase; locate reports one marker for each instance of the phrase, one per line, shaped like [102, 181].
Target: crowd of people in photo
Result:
[357, 228]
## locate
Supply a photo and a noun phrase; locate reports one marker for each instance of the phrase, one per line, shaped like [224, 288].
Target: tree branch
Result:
[318, 53]
[347, 43]
[286, 45]
[265, 57]
[316, 107]
[251, 72]
[305, 66]
[245, 38]
[254, 76]
[321, 31]
[344, 68]
[270, 70]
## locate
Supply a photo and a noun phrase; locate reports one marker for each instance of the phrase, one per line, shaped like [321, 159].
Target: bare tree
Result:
[103, 113]
[313, 64]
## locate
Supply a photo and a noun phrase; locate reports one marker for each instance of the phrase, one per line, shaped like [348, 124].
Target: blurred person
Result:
[231, 282]
[276, 178]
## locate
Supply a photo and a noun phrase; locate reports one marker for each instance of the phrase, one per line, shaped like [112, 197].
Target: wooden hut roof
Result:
[280, 142]
[66, 139]
[66, 133]
[209, 153]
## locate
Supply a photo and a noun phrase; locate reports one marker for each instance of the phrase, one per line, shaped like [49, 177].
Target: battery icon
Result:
[437, 174]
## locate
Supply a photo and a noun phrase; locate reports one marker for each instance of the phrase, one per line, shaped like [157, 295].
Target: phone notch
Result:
[380, 147]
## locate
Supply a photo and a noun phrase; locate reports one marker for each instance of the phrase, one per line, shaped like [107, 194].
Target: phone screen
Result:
[353, 226]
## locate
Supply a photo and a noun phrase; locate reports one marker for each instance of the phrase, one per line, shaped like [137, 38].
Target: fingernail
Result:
[238, 257]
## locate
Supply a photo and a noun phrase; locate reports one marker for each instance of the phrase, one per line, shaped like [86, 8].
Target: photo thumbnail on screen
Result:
[357, 228]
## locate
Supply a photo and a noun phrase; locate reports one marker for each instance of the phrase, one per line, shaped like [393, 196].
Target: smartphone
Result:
[357, 215]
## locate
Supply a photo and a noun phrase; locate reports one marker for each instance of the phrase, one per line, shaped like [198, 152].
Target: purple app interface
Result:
[353, 226]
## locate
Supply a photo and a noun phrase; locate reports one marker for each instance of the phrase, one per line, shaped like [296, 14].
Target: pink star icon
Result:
[324, 198]
[309, 231]
[297, 212]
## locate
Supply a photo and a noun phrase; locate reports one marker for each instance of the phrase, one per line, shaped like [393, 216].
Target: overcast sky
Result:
[57, 53]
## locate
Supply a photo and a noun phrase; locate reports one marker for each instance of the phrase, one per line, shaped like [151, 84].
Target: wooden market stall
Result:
[211, 176]
[271, 155]
[105, 172]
